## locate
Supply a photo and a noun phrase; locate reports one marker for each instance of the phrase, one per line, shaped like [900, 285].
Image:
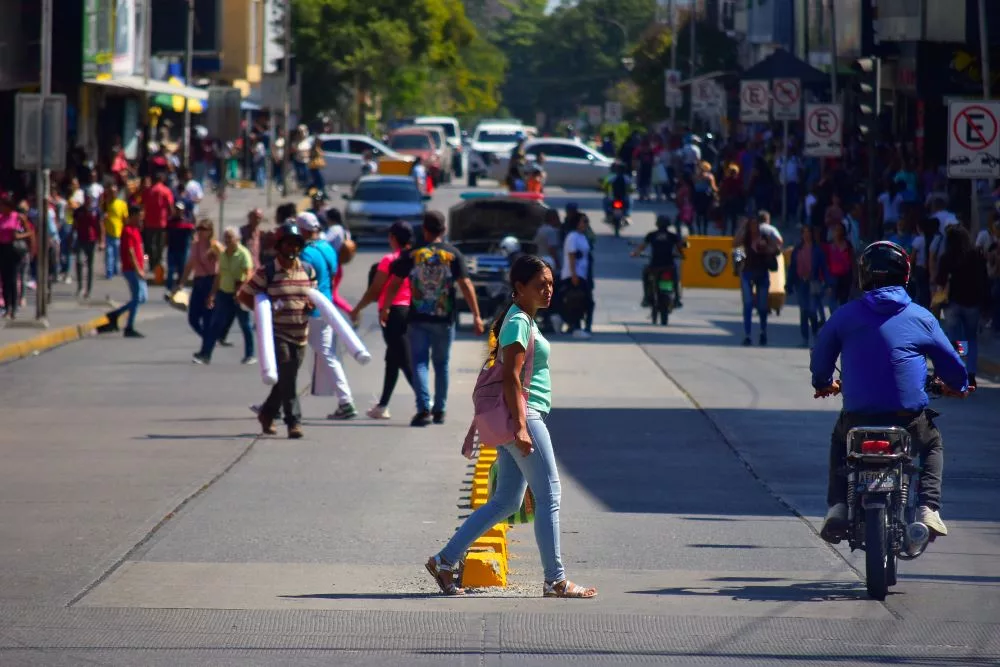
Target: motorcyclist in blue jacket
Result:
[883, 340]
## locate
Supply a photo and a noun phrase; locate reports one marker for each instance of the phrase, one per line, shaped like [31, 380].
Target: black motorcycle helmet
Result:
[663, 221]
[883, 264]
[288, 234]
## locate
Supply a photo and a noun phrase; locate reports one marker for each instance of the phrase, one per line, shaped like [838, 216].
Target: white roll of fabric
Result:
[265, 340]
[341, 327]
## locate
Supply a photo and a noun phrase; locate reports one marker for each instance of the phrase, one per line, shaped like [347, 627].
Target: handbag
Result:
[526, 512]
[491, 415]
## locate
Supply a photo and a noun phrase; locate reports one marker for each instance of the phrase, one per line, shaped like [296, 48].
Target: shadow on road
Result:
[830, 591]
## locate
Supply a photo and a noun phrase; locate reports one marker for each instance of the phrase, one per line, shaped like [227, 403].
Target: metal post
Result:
[672, 8]
[268, 162]
[833, 51]
[984, 50]
[188, 62]
[694, 67]
[784, 177]
[147, 69]
[41, 173]
[286, 98]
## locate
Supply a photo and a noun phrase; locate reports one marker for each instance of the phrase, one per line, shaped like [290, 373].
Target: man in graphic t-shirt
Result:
[434, 270]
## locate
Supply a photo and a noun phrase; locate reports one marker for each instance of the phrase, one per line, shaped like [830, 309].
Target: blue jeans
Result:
[67, 239]
[809, 305]
[431, 341]
[962, 323]
[199, 314]
[225, 310]
[139, 292]
[761, 280]
[516, 472]
[177, 256]
[112, 256]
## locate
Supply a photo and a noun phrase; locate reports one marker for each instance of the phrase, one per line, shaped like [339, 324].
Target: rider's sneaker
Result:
[646, 303]
[835, 525]
[932, 519]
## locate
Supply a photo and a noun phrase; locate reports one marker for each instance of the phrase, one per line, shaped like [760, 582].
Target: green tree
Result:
[716, 52]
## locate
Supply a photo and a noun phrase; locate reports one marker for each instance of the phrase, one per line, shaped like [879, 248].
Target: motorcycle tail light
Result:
[618, 204]
[666, 275]
[876, 447]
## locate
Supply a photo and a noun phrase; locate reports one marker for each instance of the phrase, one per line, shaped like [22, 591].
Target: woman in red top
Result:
[840, 260]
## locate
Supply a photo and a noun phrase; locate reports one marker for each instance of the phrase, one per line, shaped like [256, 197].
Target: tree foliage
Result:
[415, 56]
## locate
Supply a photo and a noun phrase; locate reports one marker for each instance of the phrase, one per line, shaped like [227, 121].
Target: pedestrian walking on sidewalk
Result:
[134, 271]
[286, 281]
[88, 221]
[115, 214]
[329, 378]
[434, 270]
[529, 460]
[394, 316]
[234, 268]
[15, 243]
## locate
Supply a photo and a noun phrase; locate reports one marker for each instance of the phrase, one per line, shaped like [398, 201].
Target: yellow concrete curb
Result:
[49, 339]
[486, 564]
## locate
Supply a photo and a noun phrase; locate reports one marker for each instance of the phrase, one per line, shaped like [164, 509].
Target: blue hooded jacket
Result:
[883, 339]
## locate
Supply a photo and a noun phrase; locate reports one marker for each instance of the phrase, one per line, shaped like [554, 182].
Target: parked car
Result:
[491, 141]
[453, 133]
[343, 155]
[379, 201]
[418, 142]
[568, 163]
[442, 147]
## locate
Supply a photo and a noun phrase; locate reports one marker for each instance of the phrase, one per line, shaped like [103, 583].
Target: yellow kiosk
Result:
[709, 263]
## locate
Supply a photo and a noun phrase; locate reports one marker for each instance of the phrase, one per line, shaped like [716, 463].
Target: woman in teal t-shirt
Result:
[529, 460]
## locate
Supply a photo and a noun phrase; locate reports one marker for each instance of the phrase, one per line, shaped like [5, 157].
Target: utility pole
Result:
[833, 51]
[984, 50]
[147, 69]
[188, 62]
[42, 173]
[693, 19]
[286, 98]
[672, 9]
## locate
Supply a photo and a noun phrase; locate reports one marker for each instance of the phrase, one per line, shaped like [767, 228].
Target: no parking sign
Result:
[824, 130]
[973, 145]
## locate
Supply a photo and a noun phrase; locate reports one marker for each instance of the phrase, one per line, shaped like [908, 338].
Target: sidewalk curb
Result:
[48, 340]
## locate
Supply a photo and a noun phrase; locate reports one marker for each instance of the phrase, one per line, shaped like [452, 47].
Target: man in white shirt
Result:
[945, 220]
[94, 189]
[575, 276]
[192, 191]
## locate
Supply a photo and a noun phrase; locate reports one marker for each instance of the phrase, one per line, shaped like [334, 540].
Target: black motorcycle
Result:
[663, 292]
[616, 217]
[883, 477]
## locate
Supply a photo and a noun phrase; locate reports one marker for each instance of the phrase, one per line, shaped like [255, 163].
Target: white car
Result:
[343, 155]
[490, 142]
[568, 163]
[452, 132]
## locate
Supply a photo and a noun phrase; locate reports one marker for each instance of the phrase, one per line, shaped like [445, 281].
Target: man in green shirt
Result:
[235, 266]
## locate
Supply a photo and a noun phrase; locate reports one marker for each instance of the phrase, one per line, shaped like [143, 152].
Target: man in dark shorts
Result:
[665, 246]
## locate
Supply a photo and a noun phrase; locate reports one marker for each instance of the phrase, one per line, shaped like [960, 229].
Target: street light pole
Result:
[693, 19]
[188, 58]
[286, 97]
[672, 8]
[41, 173]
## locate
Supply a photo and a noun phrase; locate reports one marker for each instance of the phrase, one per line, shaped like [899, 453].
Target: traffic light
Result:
[867, 86]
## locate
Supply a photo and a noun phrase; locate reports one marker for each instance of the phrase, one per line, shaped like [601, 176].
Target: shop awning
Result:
[137, 83]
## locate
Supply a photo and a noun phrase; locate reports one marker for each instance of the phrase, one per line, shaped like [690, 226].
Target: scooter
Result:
[616, 217]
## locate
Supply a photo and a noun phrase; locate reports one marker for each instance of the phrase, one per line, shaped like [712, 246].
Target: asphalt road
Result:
[143, 522]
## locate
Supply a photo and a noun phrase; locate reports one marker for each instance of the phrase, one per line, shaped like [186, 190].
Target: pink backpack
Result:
[492, 418]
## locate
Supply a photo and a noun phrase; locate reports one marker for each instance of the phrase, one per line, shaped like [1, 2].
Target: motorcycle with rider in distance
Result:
[883, 474]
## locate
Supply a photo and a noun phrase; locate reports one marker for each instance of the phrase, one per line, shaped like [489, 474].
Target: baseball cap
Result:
[308, 222]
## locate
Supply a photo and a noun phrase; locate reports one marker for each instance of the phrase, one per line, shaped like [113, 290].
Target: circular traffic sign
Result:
[823, 123]
[976, 136]
[787, 92]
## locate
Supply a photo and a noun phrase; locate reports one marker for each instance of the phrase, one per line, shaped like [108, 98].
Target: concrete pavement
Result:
[142, 522]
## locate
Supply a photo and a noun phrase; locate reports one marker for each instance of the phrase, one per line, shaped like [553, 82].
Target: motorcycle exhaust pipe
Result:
[917, 536]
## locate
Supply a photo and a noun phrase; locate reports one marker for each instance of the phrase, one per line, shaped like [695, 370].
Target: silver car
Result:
[379, 201]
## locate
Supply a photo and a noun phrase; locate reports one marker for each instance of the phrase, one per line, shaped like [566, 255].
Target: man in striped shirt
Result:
[286, 281]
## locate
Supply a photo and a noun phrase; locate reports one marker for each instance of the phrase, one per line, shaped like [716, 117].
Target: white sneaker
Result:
[379, 412]
[931, 519]
[581, 334]
[835, 525]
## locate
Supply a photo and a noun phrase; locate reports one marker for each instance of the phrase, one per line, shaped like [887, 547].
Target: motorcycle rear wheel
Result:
[877, 554]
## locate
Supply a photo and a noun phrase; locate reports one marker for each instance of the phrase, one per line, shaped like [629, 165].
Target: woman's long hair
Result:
[523, 271]
[959, 244]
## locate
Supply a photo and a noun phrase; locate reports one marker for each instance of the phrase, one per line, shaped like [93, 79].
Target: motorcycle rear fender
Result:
[875, 500]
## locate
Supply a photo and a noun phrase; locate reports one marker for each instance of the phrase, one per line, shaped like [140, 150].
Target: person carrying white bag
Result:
[286, 281]
[329, 378]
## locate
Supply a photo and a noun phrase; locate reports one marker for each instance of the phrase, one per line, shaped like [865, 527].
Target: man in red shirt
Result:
[134, 271]
[157, 204]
